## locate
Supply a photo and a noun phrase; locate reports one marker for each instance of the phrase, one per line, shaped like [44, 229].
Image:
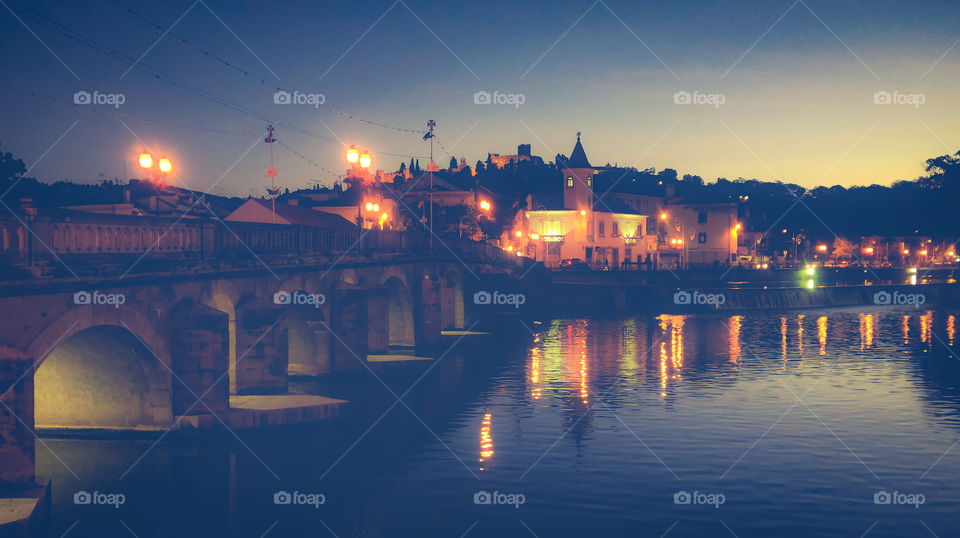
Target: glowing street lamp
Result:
[534, 236]
[365, 160]
[146, 160]
[822, 248]
[352, 155]
[663, 216]
[519, 233]
[165, 165]
[868, 250]
[485, 205]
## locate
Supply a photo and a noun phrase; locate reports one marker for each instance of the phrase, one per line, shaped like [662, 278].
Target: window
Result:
[616, 230]
[589, 182]
[569, 182]
[627, 254]
[702, 238]
[702, 217]
[552, 227]
[600, 228]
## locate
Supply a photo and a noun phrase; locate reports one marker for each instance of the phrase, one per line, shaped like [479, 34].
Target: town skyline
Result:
[806, 114]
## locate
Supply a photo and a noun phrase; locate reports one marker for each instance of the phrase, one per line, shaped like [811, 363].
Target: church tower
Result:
[578, 180]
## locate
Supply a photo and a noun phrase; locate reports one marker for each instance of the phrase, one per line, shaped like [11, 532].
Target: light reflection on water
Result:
[599, 422]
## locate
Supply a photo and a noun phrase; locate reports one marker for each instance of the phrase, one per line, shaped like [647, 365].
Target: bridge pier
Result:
[378, 321]
[429, 318]
[200, 353]
[262, 346]
[348, 321]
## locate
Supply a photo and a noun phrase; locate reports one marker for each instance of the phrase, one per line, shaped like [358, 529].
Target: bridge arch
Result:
[105, 370]
[308, 336]
[223, 296]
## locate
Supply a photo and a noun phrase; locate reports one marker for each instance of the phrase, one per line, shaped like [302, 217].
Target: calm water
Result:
[794, 420]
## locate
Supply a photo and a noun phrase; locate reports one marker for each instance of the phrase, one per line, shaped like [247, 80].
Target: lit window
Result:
[569, 182]
[589, 182]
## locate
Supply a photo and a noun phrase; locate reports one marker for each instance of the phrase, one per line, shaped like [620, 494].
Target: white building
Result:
[601, 233]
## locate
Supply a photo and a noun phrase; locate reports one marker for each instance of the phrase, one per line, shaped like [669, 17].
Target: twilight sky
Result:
[797, 81]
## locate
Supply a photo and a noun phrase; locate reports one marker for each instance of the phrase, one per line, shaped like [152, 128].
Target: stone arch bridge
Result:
[102, 331]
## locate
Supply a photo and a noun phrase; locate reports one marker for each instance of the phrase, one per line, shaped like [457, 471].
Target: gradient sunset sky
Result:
[798, 80]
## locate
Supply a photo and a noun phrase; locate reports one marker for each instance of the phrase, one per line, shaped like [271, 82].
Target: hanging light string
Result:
[150, 123]
[308, 159]
[163, 77]
[246, 73]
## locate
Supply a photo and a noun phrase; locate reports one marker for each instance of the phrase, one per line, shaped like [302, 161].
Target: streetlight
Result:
[146, 162]
[352, 155]
[365, 160]
[485, 205]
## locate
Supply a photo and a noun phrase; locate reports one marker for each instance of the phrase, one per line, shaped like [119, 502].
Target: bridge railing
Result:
[29, 239]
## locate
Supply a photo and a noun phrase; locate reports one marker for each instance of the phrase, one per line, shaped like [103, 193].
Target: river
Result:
[790, 423]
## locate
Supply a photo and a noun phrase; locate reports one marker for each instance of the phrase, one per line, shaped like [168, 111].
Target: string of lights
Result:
[308, 159]
[150, 121]
[69, 33]
[246, 72]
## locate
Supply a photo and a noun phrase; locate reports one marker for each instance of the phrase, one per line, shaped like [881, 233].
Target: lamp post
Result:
[355, 158]
[485, 207]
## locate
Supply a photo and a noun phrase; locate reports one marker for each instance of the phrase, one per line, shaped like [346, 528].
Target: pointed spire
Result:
[578, 157]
